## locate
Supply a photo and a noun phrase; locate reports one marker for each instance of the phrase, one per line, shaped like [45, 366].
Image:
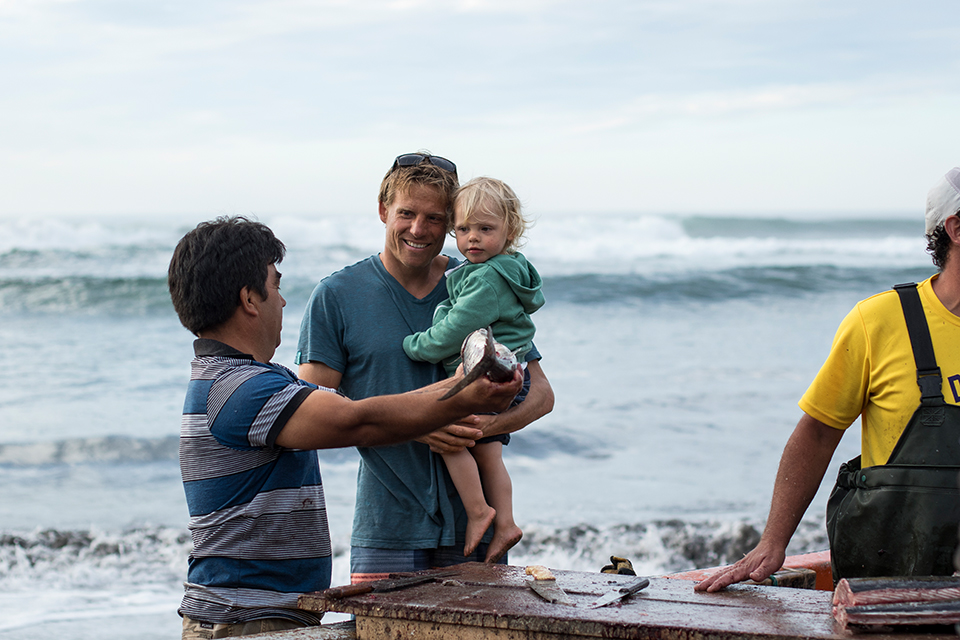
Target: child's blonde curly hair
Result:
[495, 198]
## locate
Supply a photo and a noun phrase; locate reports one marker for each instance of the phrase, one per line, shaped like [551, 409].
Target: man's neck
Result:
[947, 286]
[239, 341]
[418, 282]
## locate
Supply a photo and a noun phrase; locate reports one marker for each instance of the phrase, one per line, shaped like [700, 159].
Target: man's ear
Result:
[383, 212]
[249, 301]
[952, 226]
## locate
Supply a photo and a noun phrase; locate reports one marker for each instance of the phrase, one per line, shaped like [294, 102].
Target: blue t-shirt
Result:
[355, 323]
[257, 511]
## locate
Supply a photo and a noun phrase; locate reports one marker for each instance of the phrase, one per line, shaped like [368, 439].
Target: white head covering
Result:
[943, 200]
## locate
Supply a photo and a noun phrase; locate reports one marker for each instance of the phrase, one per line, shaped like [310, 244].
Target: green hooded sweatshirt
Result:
[500, 293]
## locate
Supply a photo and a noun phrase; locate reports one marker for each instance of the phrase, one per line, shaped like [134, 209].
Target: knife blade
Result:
[383, 585]
[549, 591]
[624, 591]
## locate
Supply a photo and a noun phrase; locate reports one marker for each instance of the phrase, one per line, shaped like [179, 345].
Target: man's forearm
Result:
[806, 457]
[326, 420]
[802, 466]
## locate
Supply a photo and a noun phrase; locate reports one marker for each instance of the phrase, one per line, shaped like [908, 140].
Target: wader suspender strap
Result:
[901, 518]
[929, 378]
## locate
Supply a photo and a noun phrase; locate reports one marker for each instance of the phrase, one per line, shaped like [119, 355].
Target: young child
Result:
[495, 287]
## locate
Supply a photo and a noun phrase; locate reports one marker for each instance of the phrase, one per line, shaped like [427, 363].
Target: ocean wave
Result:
[365, 232]
[139, 296]
[70, 575]
[112, 449]
[658, 547]
[119, 268]
[744, 282]
[77, 574]
[330, 242]
[836, 227]
[44, 234]
[119, 450]
[92, 558]
[85, 295]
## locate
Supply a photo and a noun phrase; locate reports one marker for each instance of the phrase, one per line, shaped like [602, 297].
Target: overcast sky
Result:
[291, 106]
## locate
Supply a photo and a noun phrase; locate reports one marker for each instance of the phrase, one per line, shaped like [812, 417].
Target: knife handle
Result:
[634, 586]
[348, 590]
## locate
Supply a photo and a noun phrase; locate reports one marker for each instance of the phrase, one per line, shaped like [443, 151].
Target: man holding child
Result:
[408, 514]
[249, 433]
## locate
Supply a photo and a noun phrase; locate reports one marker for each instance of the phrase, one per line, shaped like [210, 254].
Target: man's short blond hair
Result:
[400, 179]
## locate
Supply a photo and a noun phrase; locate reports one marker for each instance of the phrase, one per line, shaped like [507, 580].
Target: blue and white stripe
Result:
[257, 513]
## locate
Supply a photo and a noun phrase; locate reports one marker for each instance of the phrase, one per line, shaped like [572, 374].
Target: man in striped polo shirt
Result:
[250, 430]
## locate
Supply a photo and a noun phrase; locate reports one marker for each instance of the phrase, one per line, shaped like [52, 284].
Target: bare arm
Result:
[327, 420]
[454, 437]
[539, 402]
[802, 467]
[321, 374]
[448, 438]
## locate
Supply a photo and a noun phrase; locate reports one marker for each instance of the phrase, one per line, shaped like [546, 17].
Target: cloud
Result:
[122, 92]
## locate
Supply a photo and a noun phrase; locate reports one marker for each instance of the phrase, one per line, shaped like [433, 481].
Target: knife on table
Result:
[624, 591]
[383, 585]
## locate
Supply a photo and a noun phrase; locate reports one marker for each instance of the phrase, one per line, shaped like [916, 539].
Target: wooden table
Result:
[495, 602]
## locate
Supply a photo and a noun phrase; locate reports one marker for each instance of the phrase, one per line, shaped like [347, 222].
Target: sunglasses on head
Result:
[413, 159]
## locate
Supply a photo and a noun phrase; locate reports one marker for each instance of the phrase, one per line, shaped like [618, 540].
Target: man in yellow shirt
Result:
[870, 373]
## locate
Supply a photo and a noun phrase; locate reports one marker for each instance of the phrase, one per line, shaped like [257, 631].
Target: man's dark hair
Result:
[212, 263]
[938, 245]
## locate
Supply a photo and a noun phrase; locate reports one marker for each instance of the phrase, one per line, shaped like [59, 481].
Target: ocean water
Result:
[677, 348]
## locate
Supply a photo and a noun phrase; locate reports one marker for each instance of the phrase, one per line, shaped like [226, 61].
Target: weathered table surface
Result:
[495, 601]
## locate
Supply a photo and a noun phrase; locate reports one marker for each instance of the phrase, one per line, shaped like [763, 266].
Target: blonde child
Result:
[495, 287]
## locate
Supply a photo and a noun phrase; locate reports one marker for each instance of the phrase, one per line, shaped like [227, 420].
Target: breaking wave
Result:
[90, 295]
[90, 558]
[113, 449]
[51, 576]
[658, 547]
[116, 450]
[114, 268]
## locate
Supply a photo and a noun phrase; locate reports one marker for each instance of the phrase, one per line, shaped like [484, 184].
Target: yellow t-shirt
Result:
[871, 372]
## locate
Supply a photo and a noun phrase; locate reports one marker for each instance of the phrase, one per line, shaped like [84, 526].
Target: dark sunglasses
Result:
[413, 159]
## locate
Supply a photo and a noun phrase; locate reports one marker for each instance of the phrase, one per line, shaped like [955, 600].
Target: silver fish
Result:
[482, 355]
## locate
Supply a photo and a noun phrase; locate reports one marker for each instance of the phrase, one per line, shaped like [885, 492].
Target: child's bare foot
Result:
[476, 527]
[502, 542]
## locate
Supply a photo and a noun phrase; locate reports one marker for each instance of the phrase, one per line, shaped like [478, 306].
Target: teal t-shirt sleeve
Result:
[321, 331]
[477, 306]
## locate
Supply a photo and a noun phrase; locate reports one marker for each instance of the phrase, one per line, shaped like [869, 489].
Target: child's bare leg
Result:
[499, 491]
[466, 478]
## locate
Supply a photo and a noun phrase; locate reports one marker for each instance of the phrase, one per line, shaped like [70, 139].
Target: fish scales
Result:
[482, 355]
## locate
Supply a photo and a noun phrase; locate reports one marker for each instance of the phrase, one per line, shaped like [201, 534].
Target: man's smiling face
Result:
[416, 228]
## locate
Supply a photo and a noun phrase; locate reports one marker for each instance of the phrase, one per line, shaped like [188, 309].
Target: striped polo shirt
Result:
[257, 512]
